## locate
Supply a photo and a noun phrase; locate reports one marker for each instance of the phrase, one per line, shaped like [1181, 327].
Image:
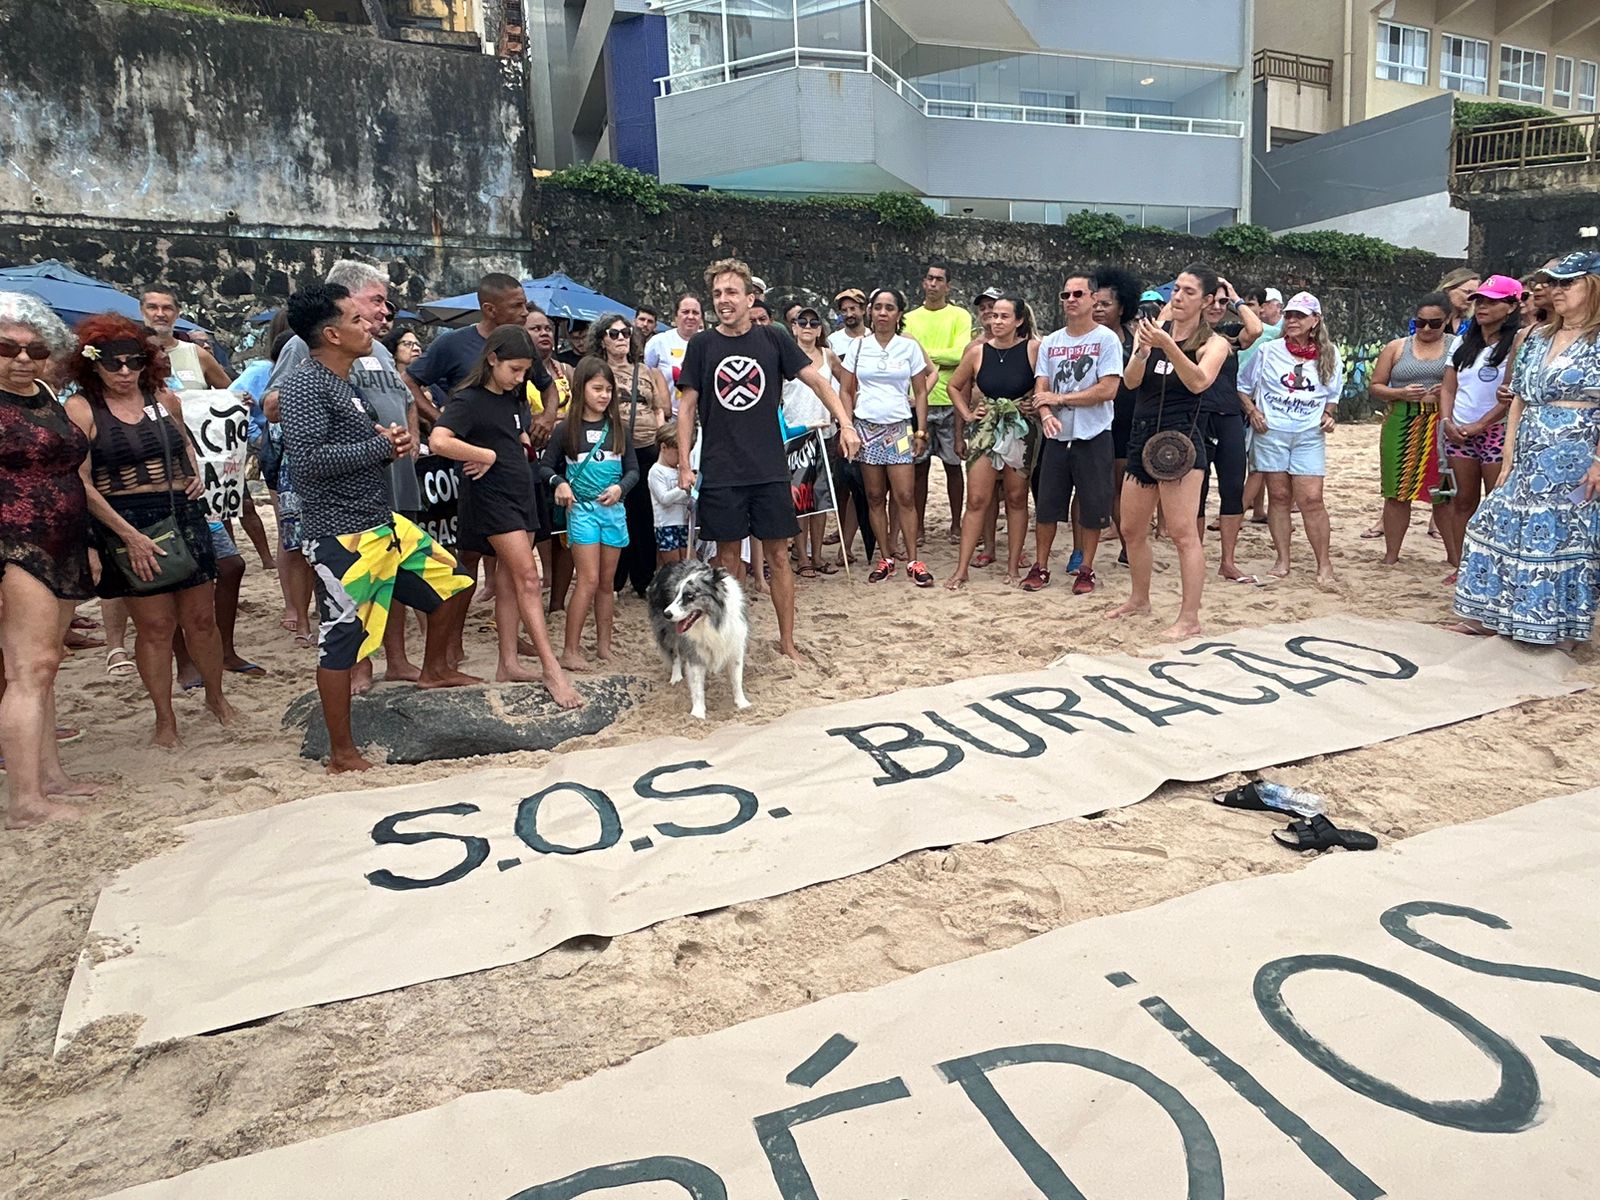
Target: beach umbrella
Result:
[263, 318]
[559, 295]
[72, 294]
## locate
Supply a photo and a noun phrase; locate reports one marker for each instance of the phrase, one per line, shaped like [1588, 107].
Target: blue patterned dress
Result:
[1530, 568]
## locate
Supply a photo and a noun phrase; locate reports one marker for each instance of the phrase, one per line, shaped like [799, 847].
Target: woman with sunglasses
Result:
[140, 471]
[44, 560]
[1407, 377]
[646, 407]
[1530, 565]
[802, 410]
[1472, 409]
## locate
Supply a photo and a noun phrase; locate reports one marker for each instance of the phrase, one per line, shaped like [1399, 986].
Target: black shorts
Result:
[1085, 467]
[1184, 418]
[764, 511]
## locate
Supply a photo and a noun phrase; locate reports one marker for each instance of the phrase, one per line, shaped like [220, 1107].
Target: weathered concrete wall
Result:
[132, 113]
[1522, 218]
[814, 253]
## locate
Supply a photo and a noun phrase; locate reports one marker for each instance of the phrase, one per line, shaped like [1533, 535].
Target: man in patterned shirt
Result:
[364, 555]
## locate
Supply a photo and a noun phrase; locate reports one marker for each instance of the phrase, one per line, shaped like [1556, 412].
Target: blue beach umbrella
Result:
[559, 295]
[72, 294]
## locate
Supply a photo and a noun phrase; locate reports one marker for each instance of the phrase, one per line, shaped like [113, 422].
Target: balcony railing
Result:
[814, 58]
[1298, 69]
[1535, 142]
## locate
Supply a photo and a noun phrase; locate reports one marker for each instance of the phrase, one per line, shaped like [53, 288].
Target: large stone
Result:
[415, 725]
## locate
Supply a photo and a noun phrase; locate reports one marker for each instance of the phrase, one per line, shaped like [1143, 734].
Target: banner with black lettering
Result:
[810, 476]
[1417, 1022]
[219, 427]
[299, 904]
[440, 486]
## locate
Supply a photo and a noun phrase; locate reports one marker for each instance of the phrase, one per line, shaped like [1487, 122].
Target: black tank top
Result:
[1222, 397]
[123, 456]
[1005, 374]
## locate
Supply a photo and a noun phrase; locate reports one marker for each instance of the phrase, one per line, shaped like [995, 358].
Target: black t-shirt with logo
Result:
[739, 381]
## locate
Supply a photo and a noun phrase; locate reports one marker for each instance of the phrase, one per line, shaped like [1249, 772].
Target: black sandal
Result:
[1245, 796]
[1319, 833]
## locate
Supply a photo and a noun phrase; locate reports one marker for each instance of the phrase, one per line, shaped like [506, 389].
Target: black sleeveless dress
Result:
[1163, 403]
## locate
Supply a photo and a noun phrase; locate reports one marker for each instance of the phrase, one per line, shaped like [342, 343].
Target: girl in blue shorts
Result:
[591, 463]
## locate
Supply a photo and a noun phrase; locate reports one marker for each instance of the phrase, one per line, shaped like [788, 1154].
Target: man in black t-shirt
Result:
[740, 369]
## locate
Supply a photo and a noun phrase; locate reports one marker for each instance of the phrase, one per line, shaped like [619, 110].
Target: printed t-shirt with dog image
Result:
[739, 383]
[1070, 363]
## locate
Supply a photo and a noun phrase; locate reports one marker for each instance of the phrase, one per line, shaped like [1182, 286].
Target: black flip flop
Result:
[1245, 796]
[1319, 833]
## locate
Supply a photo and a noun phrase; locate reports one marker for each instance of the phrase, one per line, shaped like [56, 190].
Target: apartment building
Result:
[1009, 109]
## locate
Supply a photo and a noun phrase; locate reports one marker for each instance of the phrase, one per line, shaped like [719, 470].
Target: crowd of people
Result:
[590, 454]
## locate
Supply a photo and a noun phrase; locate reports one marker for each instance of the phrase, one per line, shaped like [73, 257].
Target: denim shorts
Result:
[222, 544]
[1300, 453]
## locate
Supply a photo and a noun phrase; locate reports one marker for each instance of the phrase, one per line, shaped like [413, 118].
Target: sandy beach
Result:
[104, 1116]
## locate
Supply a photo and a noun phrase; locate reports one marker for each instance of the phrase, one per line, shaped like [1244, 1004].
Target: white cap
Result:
[1274, 296]
[758, 283]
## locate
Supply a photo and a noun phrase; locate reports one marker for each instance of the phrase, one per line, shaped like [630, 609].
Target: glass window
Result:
[1143, 107]
[839, 25]
[1402, 53]
[948, 99]
[757, 27]
[1588, 79]
[1464, 65]
[1044, 108]
[1561, 83]
[1522, 74]
[1167, 216]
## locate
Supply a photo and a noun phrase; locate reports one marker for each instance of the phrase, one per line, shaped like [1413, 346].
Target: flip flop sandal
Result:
[1252, 580]
[1319, 833]
[83, 623]
[305, 640]
[807, 572]
[67, 733]
[826, 568]
[119, 662]
[1368, 534]
[983, 560]
[249, 668]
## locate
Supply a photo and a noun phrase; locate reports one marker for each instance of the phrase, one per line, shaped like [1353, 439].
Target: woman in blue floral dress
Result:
[1531, 566]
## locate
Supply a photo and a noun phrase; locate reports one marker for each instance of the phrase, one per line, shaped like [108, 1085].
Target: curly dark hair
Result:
[596, 344]
[104, 329]
[1124, 283]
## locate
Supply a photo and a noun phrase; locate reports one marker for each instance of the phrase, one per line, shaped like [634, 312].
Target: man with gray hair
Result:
[377, 380]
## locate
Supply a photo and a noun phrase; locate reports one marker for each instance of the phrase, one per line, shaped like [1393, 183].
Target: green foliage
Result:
[1340, 247]
[1472, 113]
[1099, 232]
[902, 210]
[617, 182]
[199, 8]
[1244, 239]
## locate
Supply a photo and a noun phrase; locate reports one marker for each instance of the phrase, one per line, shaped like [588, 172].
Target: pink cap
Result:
[1499, 287]
[1305, 302]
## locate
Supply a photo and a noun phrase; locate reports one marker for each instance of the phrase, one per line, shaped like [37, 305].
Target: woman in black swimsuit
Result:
[1174, 364]
[44, 560]
[1002, 367]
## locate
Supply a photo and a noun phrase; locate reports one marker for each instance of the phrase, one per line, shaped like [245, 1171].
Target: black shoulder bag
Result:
[1168, 454]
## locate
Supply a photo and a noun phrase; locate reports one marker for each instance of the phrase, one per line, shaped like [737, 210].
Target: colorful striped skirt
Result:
[1409, 451]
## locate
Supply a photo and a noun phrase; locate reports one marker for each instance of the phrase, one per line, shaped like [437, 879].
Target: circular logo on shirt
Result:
[740, 383]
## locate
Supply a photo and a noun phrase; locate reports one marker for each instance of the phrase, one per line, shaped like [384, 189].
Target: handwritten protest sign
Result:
[439, 485]
[299, 904]
[219, 426]
[1416, 1023]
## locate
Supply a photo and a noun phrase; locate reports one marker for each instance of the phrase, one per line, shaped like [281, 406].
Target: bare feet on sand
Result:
[343, 764]
[793, 654]
[449, 679]
[1181, 629]
[1279, 571]
[25, 814]
[65, 785]
[1326, 579]
[1129, 609]
[224, 712]
[166, 736]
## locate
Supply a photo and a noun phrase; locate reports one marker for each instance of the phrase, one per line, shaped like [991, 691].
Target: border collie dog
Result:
[697, 612]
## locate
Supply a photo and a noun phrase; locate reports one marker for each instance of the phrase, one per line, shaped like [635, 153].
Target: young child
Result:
[485, 428]
[671, 502]
[592, 464]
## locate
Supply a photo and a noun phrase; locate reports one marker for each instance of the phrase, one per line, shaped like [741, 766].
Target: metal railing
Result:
[822, 59]
[1534, 142]
[1298, 69]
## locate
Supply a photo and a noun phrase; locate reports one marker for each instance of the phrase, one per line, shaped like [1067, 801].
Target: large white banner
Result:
[219, 426]
[1418, 1022]
[305, 903]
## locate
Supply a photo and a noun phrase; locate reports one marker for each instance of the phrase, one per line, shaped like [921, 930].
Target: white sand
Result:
[104, 1116]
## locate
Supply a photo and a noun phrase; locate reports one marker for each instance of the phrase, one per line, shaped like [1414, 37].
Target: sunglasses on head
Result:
[1430, 322]
[807, 323]
[619, 332]
[37, 351]
[1076, 294]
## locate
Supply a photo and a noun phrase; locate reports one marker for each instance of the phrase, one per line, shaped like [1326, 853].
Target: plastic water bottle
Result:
[1290, 799]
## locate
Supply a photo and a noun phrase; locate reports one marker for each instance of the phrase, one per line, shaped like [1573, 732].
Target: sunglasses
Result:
[37, 351]
[619, 332]
[116, 364]
[1430, 322]
[807, 323]
[1565, 283]
[1073, 295]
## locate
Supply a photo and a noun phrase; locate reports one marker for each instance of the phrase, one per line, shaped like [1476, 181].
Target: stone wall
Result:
[812, 252]
[1522, 218]
[236, 158]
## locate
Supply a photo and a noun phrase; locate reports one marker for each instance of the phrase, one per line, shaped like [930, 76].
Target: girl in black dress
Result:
[484, 426]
